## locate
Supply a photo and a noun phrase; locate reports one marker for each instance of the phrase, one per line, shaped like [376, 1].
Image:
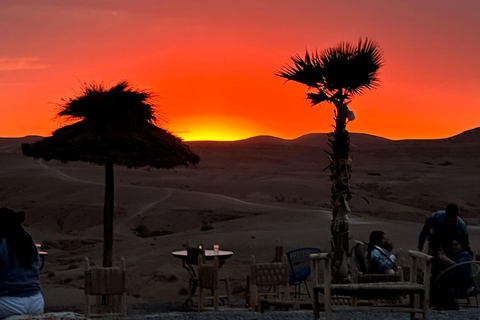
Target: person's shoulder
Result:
[464, 256]
[436, 215]
[461, 221]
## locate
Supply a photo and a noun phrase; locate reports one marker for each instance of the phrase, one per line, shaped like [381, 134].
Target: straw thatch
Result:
[114, 128]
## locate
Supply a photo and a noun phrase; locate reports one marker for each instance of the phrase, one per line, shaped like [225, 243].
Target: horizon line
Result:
[280, 138]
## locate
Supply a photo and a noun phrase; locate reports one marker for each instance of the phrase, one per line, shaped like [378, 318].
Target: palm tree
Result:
[336, 75]
[112, 126]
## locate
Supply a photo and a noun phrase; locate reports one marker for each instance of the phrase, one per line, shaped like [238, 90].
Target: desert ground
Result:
[244, 195]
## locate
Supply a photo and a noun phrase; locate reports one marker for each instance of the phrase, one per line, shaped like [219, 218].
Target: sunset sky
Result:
[213, 62]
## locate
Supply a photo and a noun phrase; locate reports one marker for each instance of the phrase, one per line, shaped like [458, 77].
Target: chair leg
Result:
[124, 304]
[306, 287]
[328, 307]
[315, 306]
[215, 299]
[87, 306]
[227, 285]
[201, 299]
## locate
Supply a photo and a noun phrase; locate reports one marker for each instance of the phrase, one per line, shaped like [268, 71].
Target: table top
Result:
[208, 253]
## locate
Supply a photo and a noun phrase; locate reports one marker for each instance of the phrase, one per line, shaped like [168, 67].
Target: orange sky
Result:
[213, 63]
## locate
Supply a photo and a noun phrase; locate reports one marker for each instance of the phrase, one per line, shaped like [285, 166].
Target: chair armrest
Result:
[315, 259]
[420, 255]
[416, 256]
[319, 256]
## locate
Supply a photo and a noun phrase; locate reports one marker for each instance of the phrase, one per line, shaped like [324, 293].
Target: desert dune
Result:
[244, 195]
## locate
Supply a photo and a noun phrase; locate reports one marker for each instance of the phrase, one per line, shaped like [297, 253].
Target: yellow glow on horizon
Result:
[215, 129]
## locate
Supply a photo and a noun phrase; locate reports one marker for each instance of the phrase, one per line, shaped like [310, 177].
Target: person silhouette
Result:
[441, 228]
[19, 268]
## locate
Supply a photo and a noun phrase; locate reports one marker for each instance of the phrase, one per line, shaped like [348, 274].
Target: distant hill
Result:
[311, 139]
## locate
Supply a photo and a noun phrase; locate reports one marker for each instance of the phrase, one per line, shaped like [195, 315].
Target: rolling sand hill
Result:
[244, 195]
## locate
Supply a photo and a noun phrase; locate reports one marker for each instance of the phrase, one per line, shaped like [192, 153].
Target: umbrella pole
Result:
[108, 216]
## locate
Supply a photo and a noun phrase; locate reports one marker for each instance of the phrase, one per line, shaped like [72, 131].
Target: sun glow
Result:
[216, 128]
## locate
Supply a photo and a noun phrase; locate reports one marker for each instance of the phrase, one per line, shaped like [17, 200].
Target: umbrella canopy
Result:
[116, 126]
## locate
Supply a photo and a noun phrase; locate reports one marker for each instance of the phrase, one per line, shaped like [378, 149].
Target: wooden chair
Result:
[109, 287]
[274, 277]
[194, 255]
[379, 290]
[208, 280]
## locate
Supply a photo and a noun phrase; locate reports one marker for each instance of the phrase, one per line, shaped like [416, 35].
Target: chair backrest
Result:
[208, 274]
[299, 263]
[100, 281]
[360, 255]
[269, 274]
[462, 278]
[192, 255]
[104, 281]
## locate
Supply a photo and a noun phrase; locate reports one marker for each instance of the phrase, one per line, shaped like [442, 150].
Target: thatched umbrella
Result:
[114, 126]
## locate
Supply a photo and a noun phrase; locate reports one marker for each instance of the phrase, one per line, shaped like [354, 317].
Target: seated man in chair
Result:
[379, 257]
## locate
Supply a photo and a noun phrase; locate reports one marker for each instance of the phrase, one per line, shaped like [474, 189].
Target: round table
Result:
[209, 255]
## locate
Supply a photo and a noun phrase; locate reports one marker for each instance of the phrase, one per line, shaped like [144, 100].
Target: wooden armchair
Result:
[370, 291]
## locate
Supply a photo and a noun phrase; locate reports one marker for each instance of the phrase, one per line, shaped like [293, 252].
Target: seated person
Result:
[19, 268]
[461, 253]
[454, 282]
[379, 257]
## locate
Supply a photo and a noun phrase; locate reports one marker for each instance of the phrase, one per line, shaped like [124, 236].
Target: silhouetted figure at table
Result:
[19, 268]
[441, 228]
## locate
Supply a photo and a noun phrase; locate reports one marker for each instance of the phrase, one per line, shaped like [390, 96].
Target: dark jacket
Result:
[432, 230]
[15, 280]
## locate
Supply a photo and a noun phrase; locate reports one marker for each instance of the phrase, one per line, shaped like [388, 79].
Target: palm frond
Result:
[306, 70]
[353, 68]
[316, 98]
[339, 72]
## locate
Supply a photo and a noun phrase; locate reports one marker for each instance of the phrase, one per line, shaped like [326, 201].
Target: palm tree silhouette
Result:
[335, 76]
[112, 126]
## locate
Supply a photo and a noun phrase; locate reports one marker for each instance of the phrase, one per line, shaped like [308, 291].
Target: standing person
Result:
[379, 258]
[19, 268]
[441, 228]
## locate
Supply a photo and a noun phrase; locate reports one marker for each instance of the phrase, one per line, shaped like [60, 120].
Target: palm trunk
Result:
[340, 193]
[108, 216]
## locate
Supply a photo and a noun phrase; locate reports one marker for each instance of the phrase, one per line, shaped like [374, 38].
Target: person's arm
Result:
[443, 257]
[463, 231]
[424, 233]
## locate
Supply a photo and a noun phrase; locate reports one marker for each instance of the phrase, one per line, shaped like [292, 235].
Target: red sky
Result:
[213, 63]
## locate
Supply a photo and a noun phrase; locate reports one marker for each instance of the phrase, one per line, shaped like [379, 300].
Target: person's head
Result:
[378, 238]
[457, 246]
[18, 241]
[10, 219]
[451, 212]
